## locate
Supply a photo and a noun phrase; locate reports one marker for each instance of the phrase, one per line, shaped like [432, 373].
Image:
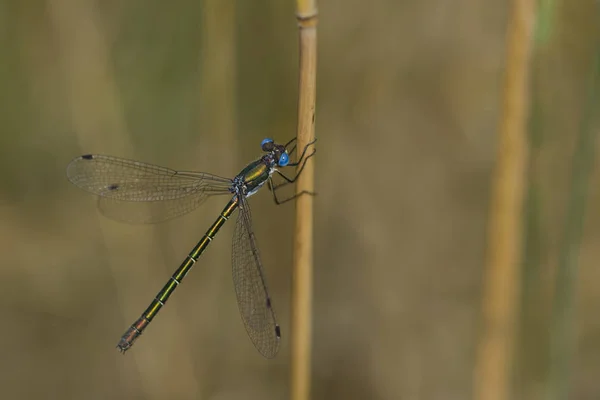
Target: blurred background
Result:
[408, 99]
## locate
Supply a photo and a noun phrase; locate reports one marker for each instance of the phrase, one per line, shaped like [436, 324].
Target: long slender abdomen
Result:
[137, 328]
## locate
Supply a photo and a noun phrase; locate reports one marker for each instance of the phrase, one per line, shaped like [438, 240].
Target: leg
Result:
[279, 202]
[303, 153]
[290, 152]
[292, 180]
[290, 142]
[273, 186]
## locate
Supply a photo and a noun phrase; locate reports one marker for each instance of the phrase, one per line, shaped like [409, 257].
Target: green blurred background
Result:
[407, 113]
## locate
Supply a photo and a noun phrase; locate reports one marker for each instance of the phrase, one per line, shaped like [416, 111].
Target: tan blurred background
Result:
[407, 107]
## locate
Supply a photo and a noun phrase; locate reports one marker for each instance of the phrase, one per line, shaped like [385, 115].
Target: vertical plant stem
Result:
[301, 324]
[501, 279]
[563, 312]
[530, 350]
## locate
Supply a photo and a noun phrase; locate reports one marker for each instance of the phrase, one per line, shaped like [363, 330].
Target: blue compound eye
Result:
[283, 160]
[267, 144]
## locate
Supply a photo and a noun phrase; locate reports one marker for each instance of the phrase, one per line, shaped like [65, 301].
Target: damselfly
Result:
[123, 185]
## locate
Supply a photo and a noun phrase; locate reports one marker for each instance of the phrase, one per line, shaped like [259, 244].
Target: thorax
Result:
[255, 175]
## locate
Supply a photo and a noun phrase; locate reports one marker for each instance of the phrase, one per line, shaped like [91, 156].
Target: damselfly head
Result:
[278, 150]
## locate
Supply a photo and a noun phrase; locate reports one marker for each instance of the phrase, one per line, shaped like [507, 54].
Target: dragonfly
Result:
[123, 185]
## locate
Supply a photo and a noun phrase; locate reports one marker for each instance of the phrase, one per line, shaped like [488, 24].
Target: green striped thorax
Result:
[257, 173]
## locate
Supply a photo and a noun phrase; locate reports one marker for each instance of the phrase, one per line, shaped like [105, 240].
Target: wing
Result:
[134, 191]
[251, 287]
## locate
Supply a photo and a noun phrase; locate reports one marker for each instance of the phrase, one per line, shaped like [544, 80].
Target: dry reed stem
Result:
[301, 323]
[492, 378]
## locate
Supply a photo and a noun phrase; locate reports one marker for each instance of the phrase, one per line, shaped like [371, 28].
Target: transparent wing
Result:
[150, 212]
[251, 287]
[134, 191]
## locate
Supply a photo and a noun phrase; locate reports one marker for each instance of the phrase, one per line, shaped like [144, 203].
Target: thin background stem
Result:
[563, 311]
[501, 281]
[301, 324]
[530, 352]
[218, 83]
